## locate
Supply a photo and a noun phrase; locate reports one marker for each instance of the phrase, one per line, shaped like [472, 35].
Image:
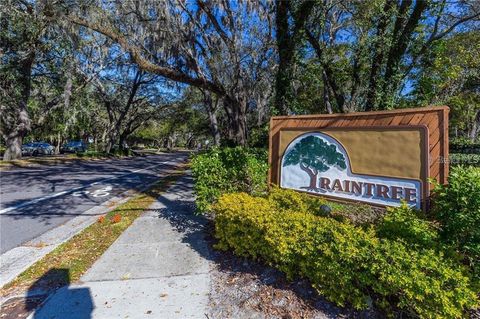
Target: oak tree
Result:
[314, 155]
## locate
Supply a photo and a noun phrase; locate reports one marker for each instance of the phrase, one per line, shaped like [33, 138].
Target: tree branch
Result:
[142, 62]
[329, 76]
[215, 23]
[453, 26]
[399, 47]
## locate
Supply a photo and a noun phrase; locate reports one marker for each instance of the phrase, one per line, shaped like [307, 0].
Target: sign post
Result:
[380, 158]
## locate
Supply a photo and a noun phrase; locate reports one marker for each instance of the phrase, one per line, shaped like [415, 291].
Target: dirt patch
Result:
[242, 288]
[20, 308]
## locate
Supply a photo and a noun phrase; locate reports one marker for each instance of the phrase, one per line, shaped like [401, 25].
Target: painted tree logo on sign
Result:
[317, 163]
[314, 155]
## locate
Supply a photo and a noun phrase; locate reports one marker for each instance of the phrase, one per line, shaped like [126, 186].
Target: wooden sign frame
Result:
[433, 121]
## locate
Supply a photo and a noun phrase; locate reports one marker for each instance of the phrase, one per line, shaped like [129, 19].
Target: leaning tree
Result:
[223, 47]
[314, 156]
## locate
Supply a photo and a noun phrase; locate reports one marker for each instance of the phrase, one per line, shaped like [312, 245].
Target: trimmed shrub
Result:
[404, 224]
[457, 207]
[225, 170]
[288, 199]
[347, 264]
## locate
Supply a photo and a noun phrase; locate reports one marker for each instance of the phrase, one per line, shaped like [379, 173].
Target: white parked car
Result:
[37, 148]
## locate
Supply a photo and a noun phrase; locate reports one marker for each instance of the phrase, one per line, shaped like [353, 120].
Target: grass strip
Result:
[27, 162]
[69, 261]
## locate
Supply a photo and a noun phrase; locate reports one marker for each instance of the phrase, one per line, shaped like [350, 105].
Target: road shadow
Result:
[50, 178]
[255, 278]
[81, 192]
[80, 187]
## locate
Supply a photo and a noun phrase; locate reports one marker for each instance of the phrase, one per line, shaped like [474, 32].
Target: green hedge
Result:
[457, 159]
[457, 207]
[345, 263]
[407, 225]
[225, 170]
[462, 145]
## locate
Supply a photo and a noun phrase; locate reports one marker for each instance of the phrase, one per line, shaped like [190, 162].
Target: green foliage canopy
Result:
[316, 154]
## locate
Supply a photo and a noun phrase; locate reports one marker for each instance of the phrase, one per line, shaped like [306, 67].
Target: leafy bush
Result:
[463, 145]
[287, 199]
[457, 159]
[457, 207]
[347, 264]
[404, 224]
[258, 136]
[224, 170]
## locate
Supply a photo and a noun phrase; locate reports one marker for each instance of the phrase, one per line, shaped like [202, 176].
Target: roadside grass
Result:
[27, 162]
[69, 261]
[99, 154]
[54, 160]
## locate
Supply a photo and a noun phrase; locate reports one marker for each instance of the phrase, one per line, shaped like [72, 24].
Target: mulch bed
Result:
[243, 288]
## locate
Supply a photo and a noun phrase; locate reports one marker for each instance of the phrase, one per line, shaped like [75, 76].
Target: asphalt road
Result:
[35, 200]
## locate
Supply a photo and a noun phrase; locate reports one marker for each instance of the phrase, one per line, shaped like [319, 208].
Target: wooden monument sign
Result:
[381, 158]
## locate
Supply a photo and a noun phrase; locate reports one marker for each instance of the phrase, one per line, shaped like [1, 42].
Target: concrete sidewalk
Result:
[158, 268]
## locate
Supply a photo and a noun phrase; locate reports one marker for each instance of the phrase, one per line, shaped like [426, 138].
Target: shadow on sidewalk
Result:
[180, 213]
[66, 302]
[51, 297]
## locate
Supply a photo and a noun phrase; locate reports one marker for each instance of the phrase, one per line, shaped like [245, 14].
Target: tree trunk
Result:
[287, 41]
[261, 111]
[103, 139]
[14, 136]
[377, 58]
[285, 53]
[58, 144]
[313, 177]
[475, 127]
[237, 118]
[121, 141]
[112, 137]
[13, 149]
[214, 128]
[326, 96]
[327, 74]
[400, 44]
[212, 116]
[190, 141]
[171, 140]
